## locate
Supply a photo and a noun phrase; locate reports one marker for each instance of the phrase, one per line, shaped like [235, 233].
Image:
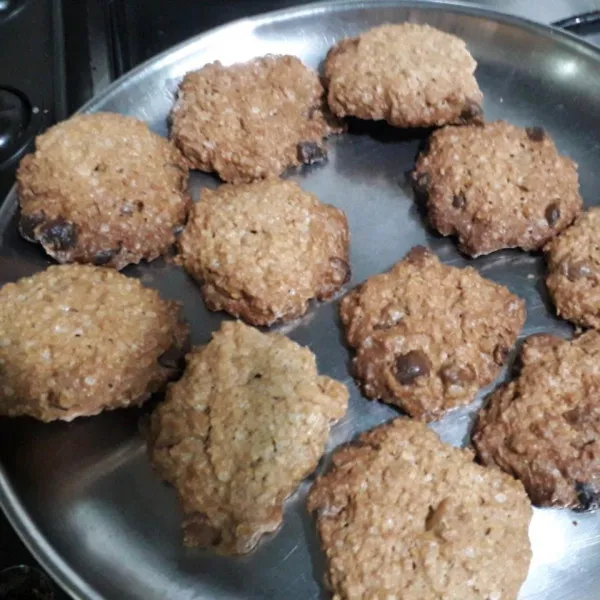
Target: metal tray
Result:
[83, 496]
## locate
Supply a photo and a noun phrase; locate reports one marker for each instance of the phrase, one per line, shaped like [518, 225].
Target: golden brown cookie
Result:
[236, 435]
[544, 426]
[428, 336]
[402, 515]
[574, 270]
[103, 189]
[409, 75]
[251, 120]
[497, 186]
[262, 250]
[76, 340]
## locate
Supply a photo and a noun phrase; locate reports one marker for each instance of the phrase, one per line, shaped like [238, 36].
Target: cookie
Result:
[102, 189]
[409, 75]
[251, 120]
[76, 340]
[497, 186]
[402, 515]
[262, 250]
[428, 336]
[574, 271]
[544, 426]
[236, 435]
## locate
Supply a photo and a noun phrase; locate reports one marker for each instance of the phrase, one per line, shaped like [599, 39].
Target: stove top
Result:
[62, 52]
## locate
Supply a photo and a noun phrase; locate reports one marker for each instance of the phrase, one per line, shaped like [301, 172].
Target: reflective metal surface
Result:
[83, 495]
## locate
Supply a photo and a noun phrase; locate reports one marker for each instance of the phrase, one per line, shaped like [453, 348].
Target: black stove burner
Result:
[8, 8]
[22, 582]
[15, 117]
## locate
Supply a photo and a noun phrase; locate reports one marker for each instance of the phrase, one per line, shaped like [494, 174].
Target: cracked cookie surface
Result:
[400, 514]
[262, 250]
[574, 271]
[246, 423]
[76, 340]
[102, 189]
[497, 186]
[428, 336]
[409, 75]
[544, 426]
[251, 120]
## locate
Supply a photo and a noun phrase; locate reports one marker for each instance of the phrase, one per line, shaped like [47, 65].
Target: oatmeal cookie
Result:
[246, 423]
[251, 120]
[262, 250]
[428, 336]
[102, 189]
[544, 426]
[574, 271]
[76, 340]
[402, 515]
[410, 75]
[497, 186]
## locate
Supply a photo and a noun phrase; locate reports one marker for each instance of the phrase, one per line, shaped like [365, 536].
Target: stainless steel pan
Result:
[83, 496]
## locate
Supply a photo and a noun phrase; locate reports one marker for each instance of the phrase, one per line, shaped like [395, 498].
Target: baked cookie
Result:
[497, 186]
[262, 250]
[402, 515]
[76, 340]
[251, 120]
[103, 189]
[410, 75]
[246, 423]
[544, 426]
[428, 336]
[574, 270]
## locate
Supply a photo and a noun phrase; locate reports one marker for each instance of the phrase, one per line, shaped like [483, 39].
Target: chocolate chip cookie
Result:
[103, 189]
[236, 435]
[574, 270]
[410, 75]
[544, 426]
[76, 340]
[497, 186]
[428, 336]
[251, 120]
[402, 515]
[262, 250]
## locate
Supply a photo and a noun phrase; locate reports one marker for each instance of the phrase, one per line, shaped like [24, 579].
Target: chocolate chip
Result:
[552, 214]
[471, 111]
[173, 358]
[28, 225]
[575, 416]
[457, 374]
[587, 496]
[102, 257]
[341, 270]
[574, 270]
[199, 529]
[417, 255]
[500, 354]
[535, 134]
[411, 365]
[459, 201]
[421, 182]
[60, 235]
[311, 152]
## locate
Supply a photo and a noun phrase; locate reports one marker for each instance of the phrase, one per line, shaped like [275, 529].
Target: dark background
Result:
[57, 54]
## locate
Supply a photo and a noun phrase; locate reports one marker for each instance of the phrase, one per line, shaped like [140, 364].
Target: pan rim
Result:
[22, 523]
